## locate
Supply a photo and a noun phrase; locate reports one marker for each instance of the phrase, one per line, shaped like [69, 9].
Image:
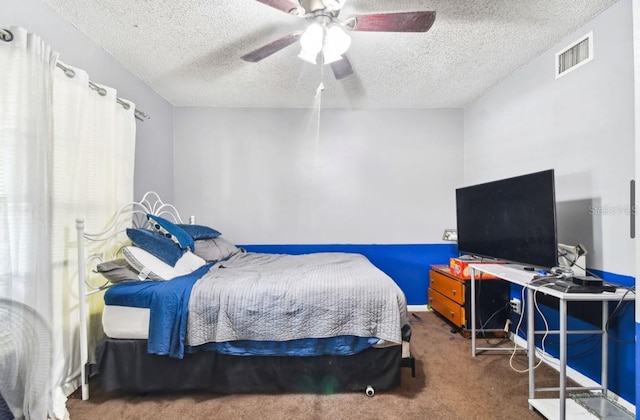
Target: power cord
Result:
[631, 289]
[544, 336]
[482, 327]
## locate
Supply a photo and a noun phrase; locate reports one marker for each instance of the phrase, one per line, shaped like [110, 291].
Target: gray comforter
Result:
[278, 297]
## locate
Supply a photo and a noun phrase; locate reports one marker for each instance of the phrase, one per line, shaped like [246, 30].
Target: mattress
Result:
[126, 322]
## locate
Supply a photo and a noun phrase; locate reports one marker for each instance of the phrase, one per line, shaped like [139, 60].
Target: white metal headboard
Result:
[110, 243]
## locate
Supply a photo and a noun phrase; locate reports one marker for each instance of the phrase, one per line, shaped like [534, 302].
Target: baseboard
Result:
[418, 308]
[573, 374]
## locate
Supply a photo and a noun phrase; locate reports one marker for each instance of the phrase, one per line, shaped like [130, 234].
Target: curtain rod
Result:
[7, 36]
[102, 92]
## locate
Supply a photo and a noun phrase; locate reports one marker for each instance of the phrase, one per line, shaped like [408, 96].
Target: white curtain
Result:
[93, 159]
[67, 152]
[26, 139]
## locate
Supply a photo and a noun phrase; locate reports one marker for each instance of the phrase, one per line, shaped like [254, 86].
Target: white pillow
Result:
[149, 266]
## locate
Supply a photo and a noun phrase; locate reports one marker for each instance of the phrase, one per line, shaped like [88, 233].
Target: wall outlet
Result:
[516, 305]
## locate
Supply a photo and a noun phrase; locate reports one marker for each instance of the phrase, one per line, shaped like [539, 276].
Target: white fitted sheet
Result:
[125, 322]
[133, 323]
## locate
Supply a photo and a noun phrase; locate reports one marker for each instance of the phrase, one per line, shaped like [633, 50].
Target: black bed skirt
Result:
[125, 365]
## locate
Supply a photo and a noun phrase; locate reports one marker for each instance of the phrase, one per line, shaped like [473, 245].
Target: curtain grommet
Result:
[6, 35]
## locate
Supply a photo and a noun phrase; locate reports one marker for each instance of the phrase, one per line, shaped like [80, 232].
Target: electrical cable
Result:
[613, 315]
[544, 336]
[493, 315]
[487, 339]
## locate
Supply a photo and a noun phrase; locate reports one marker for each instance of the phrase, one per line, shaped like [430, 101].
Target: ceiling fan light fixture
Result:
[311, 42]
[333, 4]
[308, 56]
[328, 58]
[336, 43]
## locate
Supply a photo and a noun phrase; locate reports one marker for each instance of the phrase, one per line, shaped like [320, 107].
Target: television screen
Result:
[512, 219]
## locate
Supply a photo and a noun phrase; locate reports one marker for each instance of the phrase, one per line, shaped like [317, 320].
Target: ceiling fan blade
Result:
[393, 22]
[271, 48]
[287, 6]
[342, 68]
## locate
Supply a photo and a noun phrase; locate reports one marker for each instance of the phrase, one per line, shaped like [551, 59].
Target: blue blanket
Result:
[167, 301]
[344, 345]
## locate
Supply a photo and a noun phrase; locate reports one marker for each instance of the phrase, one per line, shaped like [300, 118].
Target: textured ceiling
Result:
[189, 50]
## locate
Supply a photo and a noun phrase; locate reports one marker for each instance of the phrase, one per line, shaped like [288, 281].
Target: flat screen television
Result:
[511, 219]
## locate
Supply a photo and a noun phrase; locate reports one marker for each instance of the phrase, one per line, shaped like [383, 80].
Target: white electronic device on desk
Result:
[573, 257]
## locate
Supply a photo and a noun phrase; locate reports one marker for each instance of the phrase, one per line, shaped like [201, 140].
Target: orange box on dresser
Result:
[460, 268]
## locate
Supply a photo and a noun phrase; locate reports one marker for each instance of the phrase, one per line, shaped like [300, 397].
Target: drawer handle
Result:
[453, 292]
[452, 313]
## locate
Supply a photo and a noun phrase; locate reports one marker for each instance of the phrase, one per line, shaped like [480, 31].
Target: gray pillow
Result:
[144, 273]
[215, 249]
[117, 271]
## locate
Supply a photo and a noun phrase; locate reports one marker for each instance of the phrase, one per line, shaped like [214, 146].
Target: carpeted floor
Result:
[449, 384]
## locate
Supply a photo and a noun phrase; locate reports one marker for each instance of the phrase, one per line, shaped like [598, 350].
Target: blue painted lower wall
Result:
[637, 358]
[407, 264]
[614, 278]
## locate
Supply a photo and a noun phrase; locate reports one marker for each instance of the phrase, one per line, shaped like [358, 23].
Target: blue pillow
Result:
[200, 232]
[156, 244]
[171, 231]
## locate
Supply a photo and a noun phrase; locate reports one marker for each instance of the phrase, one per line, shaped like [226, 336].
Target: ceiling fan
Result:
[327, 34]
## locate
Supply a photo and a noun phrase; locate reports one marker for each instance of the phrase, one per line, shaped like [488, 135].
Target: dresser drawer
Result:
[451, 288]
[447, 308]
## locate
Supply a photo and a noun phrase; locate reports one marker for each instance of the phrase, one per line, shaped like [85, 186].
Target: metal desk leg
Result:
[605, 349]
[473, 312]
[563, 358]
[531, 343]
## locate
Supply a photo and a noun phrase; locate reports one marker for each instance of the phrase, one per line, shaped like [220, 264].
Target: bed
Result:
[187, 310]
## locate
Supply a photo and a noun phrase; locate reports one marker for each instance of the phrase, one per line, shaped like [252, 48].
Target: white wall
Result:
[581, 124]
[154, 139]
[268, 176]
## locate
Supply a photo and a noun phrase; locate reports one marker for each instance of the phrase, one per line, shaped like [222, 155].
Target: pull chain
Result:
[318, 98]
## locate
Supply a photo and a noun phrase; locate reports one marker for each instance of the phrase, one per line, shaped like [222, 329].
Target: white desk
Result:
[549, 407]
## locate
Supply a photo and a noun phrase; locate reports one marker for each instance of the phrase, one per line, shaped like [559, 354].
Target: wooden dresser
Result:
[449, 296]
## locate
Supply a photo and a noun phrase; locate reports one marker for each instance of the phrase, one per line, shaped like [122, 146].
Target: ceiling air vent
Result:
[575, 55]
